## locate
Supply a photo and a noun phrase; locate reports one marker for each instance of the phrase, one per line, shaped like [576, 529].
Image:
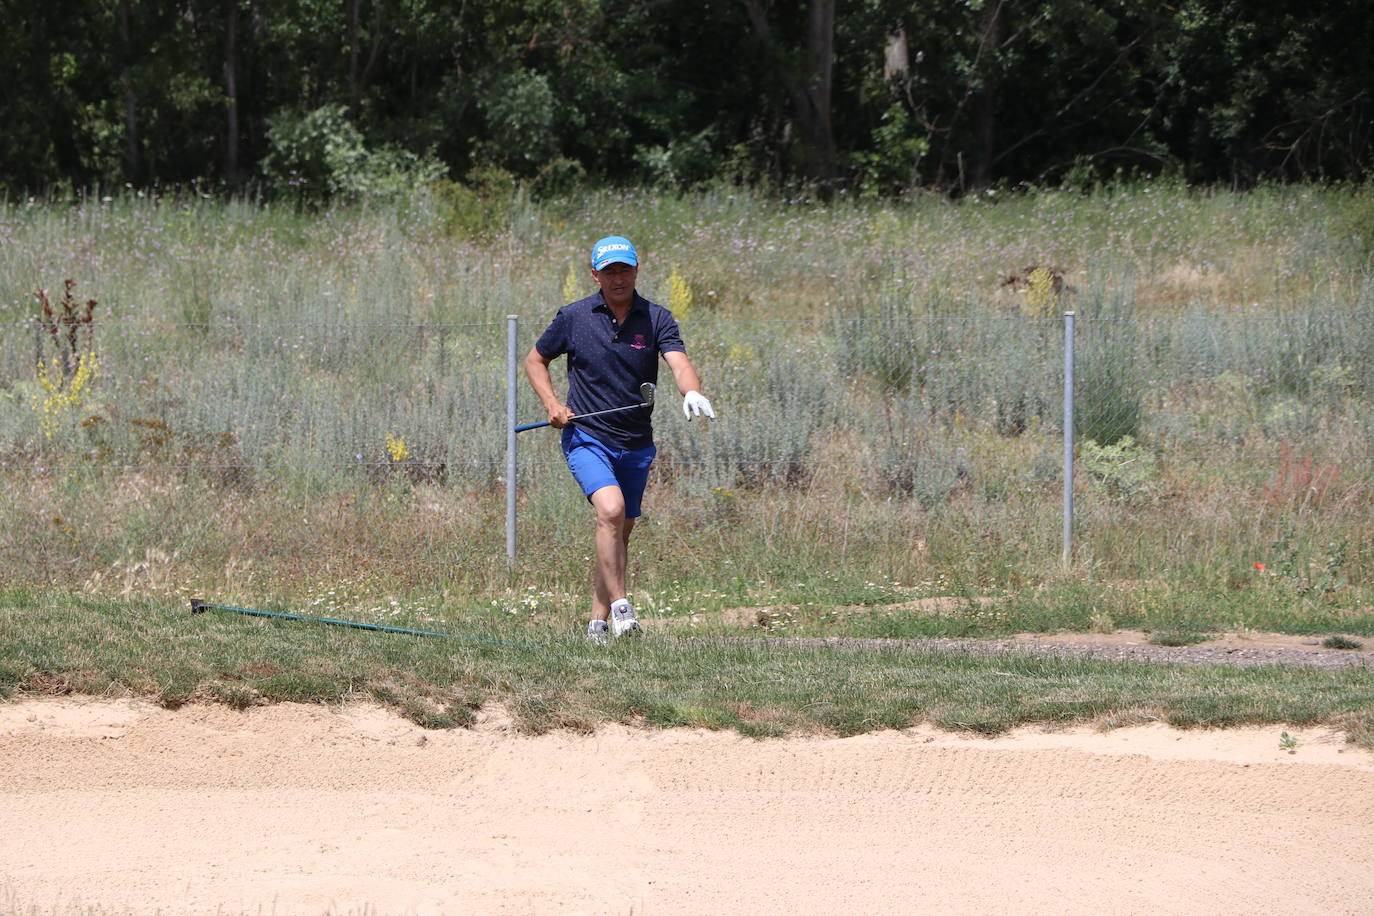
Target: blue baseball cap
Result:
[613, 249]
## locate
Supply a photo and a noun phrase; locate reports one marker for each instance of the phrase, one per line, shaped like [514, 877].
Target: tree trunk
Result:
[820, 47]
[354, 91]
[360, 72]
[132, 159]
[809, 89]
[231, 90]
[985, 110]
[360, 76]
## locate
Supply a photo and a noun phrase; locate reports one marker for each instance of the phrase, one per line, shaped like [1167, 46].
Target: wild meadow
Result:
[305, 410]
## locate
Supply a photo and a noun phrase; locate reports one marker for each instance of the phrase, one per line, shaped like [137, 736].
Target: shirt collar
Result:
[637, 303]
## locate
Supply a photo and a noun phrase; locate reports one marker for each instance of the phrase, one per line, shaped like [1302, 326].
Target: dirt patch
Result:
[1237, 648]
[1247, 640]
[1105, 648]
[766, 616]
[125, 807]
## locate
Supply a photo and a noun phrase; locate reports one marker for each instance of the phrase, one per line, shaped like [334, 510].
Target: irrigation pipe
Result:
[199, 606]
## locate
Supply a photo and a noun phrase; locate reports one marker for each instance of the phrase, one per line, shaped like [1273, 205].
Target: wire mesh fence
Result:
[940, 413]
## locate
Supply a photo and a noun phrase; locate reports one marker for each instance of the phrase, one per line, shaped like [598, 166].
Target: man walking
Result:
[613, 340]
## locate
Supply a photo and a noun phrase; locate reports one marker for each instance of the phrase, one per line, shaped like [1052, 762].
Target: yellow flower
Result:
[396, 447]
[571, 285]
[1041, 295]
[679, 295]
[743, 355]
[63, 395]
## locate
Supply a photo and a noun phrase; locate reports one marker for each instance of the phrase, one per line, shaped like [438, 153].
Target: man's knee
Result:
[609, 504]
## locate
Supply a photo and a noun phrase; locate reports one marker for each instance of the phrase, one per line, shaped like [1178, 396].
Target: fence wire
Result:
[931, 410]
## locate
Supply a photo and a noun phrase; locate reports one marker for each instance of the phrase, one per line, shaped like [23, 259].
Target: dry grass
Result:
[889, 422]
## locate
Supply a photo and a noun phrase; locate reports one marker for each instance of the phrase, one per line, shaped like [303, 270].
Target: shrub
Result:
[519, 109]
[1355, 225]
[879, 339]
[682, 163]
[1300, 568]
[1107, 404]
[1123, 471]
[898, 147]
[558, 178]
[477, 207]
[321, 153]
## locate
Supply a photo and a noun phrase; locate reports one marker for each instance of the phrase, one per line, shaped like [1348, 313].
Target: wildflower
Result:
[63, 395]
[396, 447]
[679, 295]
[743, 354]
[1259, 566]
[1041, 287]
[570, 285]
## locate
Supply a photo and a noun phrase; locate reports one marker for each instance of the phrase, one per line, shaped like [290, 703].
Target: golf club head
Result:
[646, 392]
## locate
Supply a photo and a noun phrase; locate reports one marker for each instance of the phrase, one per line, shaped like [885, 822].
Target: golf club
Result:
[200, 606]
[646, 391]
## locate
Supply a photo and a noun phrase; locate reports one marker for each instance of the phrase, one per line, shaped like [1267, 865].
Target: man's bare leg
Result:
[612, 541]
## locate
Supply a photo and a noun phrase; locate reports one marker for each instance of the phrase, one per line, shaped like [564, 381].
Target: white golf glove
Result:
[694, 404]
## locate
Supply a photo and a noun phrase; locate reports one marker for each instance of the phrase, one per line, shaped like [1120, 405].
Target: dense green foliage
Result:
[872, 96]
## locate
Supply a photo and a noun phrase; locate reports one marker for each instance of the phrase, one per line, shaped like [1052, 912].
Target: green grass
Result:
[548, 677]
[1176, 638]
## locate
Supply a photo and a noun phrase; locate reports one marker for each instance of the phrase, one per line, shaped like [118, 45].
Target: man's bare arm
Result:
[694, 403]
[683, 372]
[537, 371]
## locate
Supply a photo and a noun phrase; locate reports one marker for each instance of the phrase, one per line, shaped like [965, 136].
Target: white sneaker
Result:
[623, 622]
[598, 632]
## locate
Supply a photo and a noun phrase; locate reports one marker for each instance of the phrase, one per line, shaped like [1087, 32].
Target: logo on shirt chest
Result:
[638, 342]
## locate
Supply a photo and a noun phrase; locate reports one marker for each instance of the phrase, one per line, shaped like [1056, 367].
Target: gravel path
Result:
[1167, 655]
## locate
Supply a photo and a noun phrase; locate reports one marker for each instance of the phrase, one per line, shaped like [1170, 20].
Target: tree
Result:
[807, 76]
[1275, 89]
[874, 95]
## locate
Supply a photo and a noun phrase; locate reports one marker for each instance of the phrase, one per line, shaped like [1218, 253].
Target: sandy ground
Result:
[120, 806]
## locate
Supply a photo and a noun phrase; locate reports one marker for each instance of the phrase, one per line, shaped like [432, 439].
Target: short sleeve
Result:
[554, 341]
[669, 336]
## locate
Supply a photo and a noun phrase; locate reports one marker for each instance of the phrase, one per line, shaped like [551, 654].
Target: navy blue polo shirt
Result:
[607, 362]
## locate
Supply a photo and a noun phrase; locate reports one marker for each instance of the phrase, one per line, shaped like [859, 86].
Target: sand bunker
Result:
[120, 806]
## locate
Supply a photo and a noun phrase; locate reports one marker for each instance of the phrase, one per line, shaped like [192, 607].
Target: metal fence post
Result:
[1067, 557]
[511, 392]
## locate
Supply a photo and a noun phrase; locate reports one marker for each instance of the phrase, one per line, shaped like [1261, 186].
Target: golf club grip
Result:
[521, 429]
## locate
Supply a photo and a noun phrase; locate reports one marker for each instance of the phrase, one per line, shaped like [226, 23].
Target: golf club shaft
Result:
[521, 429]
[199, 606]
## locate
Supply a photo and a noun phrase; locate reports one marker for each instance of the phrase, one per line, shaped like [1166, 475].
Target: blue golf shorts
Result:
[595, 465]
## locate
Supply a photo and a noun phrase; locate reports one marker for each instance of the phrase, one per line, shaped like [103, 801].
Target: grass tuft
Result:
[1176, 638]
